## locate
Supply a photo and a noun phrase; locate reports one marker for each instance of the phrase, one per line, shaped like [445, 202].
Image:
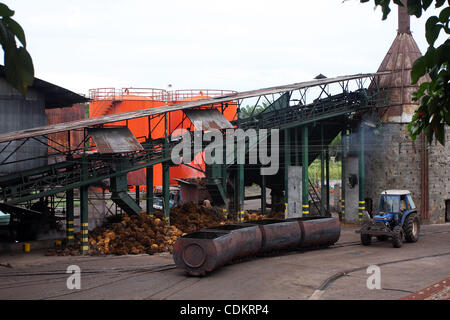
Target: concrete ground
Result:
[338, 272]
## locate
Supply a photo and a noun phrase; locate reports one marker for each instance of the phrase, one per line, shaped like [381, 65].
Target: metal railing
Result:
[120, 94]
[155, 94]
[181, 95]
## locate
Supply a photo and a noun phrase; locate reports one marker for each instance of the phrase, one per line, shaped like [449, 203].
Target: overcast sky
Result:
[239, 45]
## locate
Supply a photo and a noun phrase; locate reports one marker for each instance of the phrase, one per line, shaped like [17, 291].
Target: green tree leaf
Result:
[444, 15]
[432, 29]
[418, 70]
[5, 11]
[17, 30]
[19, 70]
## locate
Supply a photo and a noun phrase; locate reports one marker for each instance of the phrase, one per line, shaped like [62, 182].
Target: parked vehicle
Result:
[397, 219]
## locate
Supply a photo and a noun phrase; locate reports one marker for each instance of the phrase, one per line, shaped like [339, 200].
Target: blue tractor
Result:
[397, 219]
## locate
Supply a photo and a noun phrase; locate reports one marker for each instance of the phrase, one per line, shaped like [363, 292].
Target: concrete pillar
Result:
[295, 192]
[352, 192]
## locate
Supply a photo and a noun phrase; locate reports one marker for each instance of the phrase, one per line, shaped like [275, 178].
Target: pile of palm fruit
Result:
[130, 235]
[190, 217]
[150, 234]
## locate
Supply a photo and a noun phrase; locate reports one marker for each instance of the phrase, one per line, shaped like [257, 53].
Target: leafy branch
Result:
[19, 70]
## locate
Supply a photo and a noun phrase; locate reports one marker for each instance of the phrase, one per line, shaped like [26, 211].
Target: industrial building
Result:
[116, 149]
[125, 145]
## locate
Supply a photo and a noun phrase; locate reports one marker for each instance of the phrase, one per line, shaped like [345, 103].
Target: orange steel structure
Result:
[107, 101]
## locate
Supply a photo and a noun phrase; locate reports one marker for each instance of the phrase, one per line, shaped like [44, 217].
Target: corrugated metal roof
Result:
[206, 119]
[55, 96]
[114, 140]
[181, 106]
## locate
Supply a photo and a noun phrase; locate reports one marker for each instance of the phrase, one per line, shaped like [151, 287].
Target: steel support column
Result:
[138, 191]
[149, 182]
[343, 178]
[263, 195]
[322, 172]
[166, 172]
[287, 164]
[224, 179]
[241, 192]
[327, 190]
[70, 226]
[305, 178]
[297, 160]
[361, 204]
[149, 176]
[84, 214]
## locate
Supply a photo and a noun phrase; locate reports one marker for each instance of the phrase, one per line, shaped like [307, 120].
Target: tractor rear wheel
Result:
[397, 237]
[366, 239]
[412, 228]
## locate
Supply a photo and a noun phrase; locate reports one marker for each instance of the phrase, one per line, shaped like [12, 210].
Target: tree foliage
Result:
[19, 70]
[433, 113]
[248, 111]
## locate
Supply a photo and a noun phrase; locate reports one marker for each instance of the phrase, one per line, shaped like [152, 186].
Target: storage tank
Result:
[110, 101]
[57, 140]
[107, 101]
[179, 96]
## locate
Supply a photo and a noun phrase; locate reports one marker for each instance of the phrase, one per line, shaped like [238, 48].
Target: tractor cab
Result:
[394, 206]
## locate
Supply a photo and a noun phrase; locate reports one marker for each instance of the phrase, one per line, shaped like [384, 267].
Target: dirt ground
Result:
[338, 272]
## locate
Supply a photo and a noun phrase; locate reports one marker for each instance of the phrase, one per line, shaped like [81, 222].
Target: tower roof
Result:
[399, 61]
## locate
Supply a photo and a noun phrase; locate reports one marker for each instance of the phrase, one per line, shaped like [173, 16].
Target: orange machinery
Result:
[110, 101]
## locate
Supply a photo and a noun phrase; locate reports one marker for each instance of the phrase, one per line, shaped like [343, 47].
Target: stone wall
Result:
[439, 178]
[393, 161]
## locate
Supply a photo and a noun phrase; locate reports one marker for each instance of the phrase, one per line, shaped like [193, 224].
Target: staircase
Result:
[121, 197]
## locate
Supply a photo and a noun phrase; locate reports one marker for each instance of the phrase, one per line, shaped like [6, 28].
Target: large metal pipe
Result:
[246, 239]
[278, 234]
[210, 248]
[318, 232]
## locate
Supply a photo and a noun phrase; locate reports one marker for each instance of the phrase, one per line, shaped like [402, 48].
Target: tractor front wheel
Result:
[412, 228]
[397, 237]
[366, 239]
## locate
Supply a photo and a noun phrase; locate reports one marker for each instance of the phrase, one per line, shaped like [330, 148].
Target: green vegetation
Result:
[19, 69]
[314, 170]
[246, 111]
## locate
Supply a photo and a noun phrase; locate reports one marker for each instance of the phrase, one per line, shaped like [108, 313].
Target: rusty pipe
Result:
[318, 232]
[208, 249]
[278, 234]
